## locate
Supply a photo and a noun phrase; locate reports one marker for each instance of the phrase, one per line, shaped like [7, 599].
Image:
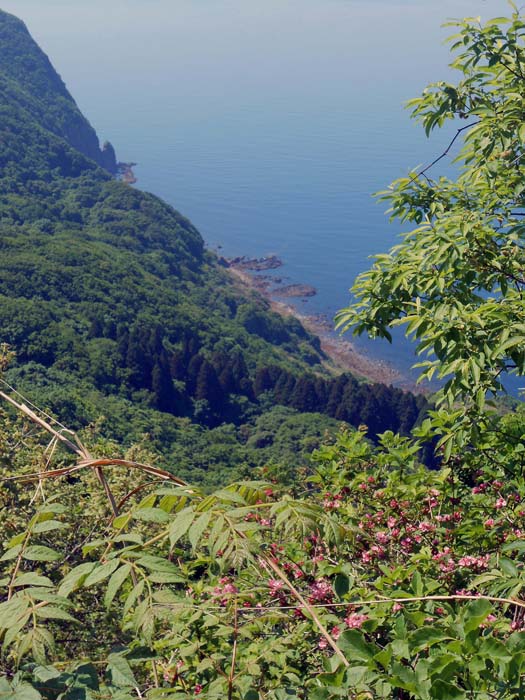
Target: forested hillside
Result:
[118, 314]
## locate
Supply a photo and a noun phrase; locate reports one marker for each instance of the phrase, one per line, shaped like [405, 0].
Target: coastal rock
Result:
[296, 290]
[268, 262]
[125, 172]
[109, 158]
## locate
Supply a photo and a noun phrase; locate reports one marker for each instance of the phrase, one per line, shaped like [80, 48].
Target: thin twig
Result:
[307, 606]
[231, 675]
[445, 152]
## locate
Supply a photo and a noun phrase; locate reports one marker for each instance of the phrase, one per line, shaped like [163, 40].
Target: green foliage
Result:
[456, 280]
[378, 579]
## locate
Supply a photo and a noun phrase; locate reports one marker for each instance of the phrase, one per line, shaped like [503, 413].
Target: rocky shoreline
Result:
[125, 173]
[341, 354]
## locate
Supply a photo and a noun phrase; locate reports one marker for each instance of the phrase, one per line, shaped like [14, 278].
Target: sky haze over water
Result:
[268, 123]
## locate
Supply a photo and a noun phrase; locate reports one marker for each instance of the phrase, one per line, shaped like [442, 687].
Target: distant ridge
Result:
[23, 61]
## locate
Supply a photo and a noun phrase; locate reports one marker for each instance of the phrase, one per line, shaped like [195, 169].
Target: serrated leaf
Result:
[426, 637]
[181, 524]
[49, 525]
[134, 595]
[198, 528]
[11, 611]
[51, 612]
[158, 564]
[75, 578]
[151, 515]
[353, 644]
[115, 582]
[32, 579]
[40, 552]
[101, 572]
[120, 671]
[11, 553]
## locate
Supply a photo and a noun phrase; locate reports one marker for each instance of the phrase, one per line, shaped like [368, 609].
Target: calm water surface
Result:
[268, 123]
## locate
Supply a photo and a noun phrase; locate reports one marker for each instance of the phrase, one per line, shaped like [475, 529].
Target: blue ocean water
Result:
[269, 123]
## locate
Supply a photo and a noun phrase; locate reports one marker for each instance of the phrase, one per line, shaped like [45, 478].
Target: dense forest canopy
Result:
[370, 576]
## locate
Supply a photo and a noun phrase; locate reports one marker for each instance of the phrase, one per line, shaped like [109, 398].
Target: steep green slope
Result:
[115, 308]
[27, 72]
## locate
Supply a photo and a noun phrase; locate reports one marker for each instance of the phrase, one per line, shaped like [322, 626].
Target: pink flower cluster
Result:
[320, 592]
[476, 563]
[355, 620]
[225, 589]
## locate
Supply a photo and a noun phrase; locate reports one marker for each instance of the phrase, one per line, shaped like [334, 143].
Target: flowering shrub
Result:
[402, 590]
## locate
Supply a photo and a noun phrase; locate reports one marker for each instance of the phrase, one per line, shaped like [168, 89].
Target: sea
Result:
[268, 123]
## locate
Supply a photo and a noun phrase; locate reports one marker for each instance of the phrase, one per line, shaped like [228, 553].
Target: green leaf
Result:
[120, 671]
[181, 524]
[353, 644]
[441, 690]
[101, 572]
[12, 611]
[134, 595]
[49, 526]
[39, 552]
[23, 691]
[11, 553]
[51, 612]
[342, 585]
[476, 613]
[158, 564]
[32, 579]
[426, 637]
[165, 577]
[198, 528]
[115, 582]
[152, 515]
[75, 578]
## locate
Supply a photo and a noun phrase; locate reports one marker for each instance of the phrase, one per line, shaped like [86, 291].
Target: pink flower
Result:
[477, 563]
[197, 690]
[366, 557]
[320, 591]
[274, 585]
[335, 632]
[382, 537]
[396, 607]
[322, 643]
[489, 522]
[500, 503]
[356, 620]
